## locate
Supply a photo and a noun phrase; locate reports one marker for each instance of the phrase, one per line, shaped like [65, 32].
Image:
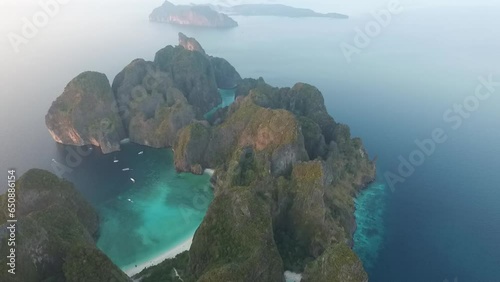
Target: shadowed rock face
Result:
[197, 15]
[148, 103]
[337, 264]
[278, 148]
[192, 73]
[225, 74]
[82, 115]
[55, 234]
[152, 109]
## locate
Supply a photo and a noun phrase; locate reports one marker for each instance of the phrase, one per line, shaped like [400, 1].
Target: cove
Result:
[159, 209]
[156, 213]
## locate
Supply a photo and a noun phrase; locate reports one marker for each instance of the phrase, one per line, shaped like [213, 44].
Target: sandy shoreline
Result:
[171, 253]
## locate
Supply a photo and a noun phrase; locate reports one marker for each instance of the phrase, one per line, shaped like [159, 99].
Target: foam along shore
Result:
[292, 277]
[209, 171]
[171, 253]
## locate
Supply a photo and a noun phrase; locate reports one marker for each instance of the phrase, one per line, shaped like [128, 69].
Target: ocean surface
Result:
[441, 223]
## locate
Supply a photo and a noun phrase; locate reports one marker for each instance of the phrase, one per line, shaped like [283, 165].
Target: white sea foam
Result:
[209, 171]
[292, 276]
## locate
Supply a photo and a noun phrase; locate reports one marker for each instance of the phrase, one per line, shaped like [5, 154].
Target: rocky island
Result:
[286, 173]
[191, 15]
[218, 16]
[276, 10]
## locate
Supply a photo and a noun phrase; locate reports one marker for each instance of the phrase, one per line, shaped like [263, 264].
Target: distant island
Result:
[191, 15]
[217, 16]
[277, 10]
[285, 175]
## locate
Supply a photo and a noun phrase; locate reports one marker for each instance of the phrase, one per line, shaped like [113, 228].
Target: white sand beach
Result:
[171, 253]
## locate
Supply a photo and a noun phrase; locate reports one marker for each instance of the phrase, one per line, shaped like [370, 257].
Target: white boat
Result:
[130, 200]
[126, 169]
[141, 152]
[133, 180]
[115, 161]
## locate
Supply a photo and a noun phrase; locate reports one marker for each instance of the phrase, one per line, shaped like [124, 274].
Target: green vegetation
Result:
[166, 271]
[55, 234]
[338, 264]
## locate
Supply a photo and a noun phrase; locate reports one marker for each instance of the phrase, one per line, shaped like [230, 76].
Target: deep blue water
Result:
[442, 222]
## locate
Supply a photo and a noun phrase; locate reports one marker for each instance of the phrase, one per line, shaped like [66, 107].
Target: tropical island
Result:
[191, 15]
[218, 16]
[285, 174]
[276, 10]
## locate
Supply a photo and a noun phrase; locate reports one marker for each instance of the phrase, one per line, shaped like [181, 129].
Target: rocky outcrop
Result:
[55, 234]
[272, 134]
[191, 15]
[278, 146]
[225, 74]
[235, 240]
[189, 43]
[337, 264]
[191, 73]
[82, 115]
[151, 107]
[148, 103]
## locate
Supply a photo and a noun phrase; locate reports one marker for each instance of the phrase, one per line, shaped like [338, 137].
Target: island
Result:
[191, 15]
[218, 16]
[284, 182]
[277, 10]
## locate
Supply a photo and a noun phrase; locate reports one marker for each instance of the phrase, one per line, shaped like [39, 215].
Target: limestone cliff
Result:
[82, 115]
[149, 102]
[150, 105]
[55, 234]
[281, 149]
[225, 74]
[191, 15]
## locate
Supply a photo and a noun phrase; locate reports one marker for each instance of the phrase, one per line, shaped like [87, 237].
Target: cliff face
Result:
[151, 107]
[337, 264]
[197, 15]
[277, 147]
[226, 75]
[55, 234]
[82, 115]
[149, 102]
